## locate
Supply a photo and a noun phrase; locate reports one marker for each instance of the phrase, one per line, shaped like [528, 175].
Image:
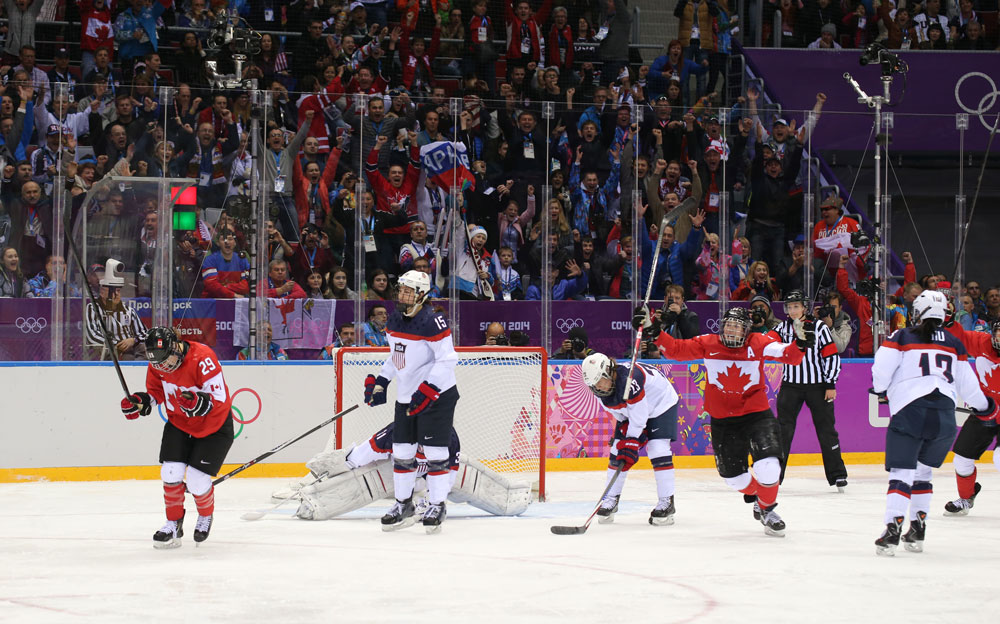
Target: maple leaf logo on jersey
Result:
[990, 377]
[733, 379]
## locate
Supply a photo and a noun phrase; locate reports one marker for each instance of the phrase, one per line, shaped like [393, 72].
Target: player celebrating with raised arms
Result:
[921, 369]
[736, 400]
[645, 406]
[423, 358]
[977, 432]
[186, 379]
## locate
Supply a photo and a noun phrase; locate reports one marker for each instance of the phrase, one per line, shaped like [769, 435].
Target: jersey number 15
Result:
[942, 361]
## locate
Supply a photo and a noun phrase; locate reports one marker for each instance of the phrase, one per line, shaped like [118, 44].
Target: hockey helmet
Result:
[163, 349]
[929, 304]
[735, 327]
[795, 296]
[420, 283]
[596, 367]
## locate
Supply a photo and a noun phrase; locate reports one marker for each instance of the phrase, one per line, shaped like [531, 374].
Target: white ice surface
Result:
[82, 552]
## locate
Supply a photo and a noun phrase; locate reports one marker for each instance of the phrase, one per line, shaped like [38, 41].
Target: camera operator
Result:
[761, 316]
[833, 315]
[574, 347]
[495, 335]
[675, 318]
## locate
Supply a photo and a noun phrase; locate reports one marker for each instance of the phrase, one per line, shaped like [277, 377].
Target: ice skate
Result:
[201, 528]
[399, 516]
[756, 510]
[434, 516]
[663, 513]
[773, 524]
[841, 485]
[887, 543]
[608, 509]
[169, 535]
[913, 541]
[961, 506]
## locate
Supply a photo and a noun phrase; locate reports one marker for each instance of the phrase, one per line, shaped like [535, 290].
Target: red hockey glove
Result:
[195, 403]
[423, 398]
[375, 390]
[136, 405]
[628, 453]
[990, 415]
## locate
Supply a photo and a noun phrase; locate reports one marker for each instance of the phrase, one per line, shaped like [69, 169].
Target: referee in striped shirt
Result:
[813, 382]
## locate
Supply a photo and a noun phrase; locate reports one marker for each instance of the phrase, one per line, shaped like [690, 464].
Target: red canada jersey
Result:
[736, 383]
[199, 372]
[980, 346]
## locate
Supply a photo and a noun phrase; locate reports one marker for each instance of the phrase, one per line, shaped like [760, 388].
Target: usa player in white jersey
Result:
[922, 370]
[646, 411]
[423, 359]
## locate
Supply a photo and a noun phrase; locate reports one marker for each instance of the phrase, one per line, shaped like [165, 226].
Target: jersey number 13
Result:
[941, 361]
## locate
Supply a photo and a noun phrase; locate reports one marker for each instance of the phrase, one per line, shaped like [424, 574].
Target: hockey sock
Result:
[897, 500]
[752, 488]
[966, 484]
[767, 494]
[663, 471]
[173, 498]
[920, 498]
[404, 475]
[205, 502]
[438, 473]
[616, 489]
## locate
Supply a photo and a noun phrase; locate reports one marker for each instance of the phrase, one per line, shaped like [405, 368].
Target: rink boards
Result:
[63, 422]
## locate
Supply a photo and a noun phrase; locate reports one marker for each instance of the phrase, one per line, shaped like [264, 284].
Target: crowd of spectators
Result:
[357, 89]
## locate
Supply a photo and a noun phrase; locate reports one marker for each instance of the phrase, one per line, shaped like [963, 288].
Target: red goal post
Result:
[500, 415]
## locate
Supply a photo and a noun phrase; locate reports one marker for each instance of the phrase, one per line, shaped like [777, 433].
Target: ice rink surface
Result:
[82, 552]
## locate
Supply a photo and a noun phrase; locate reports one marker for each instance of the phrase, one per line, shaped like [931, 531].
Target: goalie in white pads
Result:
[364, 473]
[646, 411]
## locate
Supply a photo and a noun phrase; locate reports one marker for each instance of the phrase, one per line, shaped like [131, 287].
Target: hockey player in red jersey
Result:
[186, 379]
[977, 434]
[736, 401]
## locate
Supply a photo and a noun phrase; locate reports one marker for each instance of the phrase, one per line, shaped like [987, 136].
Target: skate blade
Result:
[408, 522]
[886, 551]
[174, 543]
[432, 529]
[841, 489]
[914, 547]
[665, 521]
[774, 532]
[956, 514]
[606, 519]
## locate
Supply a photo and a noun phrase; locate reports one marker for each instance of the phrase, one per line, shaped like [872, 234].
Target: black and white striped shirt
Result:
[820, 364]
[121, 324]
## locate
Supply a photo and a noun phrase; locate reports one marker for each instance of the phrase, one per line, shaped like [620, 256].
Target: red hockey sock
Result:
[206, 502]
[751, 490]
[767, 494]
[966, 485]
[173, 498]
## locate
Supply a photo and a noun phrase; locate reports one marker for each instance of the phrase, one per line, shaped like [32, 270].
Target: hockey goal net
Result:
[500, 416]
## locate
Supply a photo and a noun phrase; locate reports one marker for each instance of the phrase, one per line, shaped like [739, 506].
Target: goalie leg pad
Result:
[331, 462]
[346, 492]
[487, 490]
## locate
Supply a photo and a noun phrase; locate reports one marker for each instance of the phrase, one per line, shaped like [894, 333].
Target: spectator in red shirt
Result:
[524, 32]
[416, 57]
[310, 256]
[396, 191]
[278, 284]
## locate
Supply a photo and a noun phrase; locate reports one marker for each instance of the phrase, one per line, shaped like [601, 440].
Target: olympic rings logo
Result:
[566, 324]
[712, 324]
[984, 106]
[237, 413]
[30, 324]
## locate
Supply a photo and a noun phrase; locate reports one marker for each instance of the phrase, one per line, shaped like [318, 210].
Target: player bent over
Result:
[736, 400]
[976, 434]
[354, 477]
[423, 359]
[921, 369]
[646, 411]
[186, 379]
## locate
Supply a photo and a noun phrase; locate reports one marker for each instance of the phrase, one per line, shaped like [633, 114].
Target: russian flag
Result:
[447, 165]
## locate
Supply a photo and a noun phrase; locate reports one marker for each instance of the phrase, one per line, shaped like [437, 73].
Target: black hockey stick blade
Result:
[580, 530]
[568, 530]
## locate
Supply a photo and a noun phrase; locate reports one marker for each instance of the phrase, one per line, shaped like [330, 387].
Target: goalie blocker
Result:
[364, 474]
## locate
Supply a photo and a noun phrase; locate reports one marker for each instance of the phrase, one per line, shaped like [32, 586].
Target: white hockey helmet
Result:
[420, 283]
[596, 367]
[929, 304]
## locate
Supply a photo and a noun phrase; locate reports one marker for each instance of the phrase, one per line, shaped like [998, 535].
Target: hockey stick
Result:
[958, 410]
[580, 530]
[645, 302]
[281, 446]
[260, 513]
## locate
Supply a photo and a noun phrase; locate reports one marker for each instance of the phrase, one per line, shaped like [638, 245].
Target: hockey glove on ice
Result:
[136, 405]
[375, 390]
[990, 415]
[628, 453]
[423, 398]
[195, 403]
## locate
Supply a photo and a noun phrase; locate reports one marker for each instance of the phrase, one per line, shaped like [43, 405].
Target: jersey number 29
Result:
[942, 361]
[206, 365]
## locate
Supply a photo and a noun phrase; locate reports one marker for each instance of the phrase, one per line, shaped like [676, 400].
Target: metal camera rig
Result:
[243, 41]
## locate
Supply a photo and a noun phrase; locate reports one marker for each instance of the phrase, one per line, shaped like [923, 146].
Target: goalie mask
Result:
[735, 327]
[163, 349]
[929, 304]
[413, 289]
[596, 368]
[995, 335]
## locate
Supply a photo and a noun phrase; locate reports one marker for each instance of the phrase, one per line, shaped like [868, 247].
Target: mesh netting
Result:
[498, 417]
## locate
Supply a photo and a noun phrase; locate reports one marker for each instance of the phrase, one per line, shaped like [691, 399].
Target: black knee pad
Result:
[765, 439]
